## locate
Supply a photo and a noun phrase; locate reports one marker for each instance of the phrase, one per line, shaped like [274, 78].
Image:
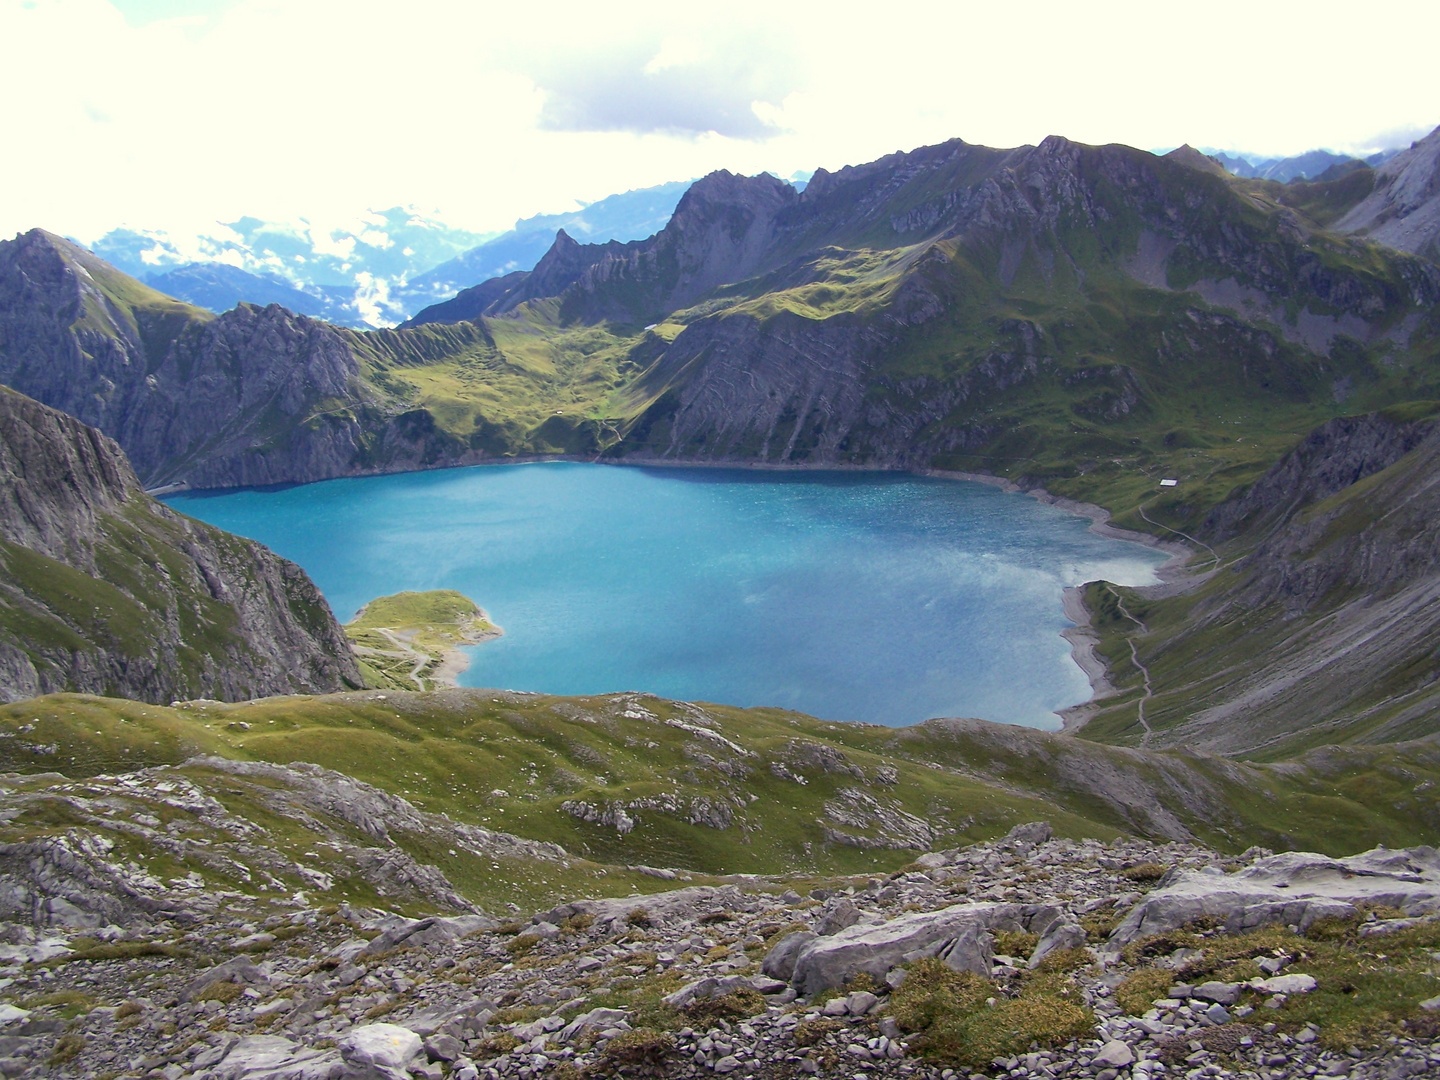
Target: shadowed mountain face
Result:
[104, 590]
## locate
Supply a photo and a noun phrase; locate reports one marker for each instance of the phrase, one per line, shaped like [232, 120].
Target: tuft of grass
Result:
[737, 1005]
[641, 1052]
[1015, 942]
[960, 1018]
[522, 945]
[223, 992]
[809, 1032]
[1144, 873]
[1137, 992]
[67, 1049]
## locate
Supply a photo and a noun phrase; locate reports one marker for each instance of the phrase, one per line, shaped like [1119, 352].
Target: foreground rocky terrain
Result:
[1028, 956]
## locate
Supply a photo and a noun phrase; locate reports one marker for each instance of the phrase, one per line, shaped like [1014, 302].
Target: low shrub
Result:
[67, 1048]
[736, 1005]
[810, 1032]
[959, 1017]
[641, 1052]
[223, 992]
[1015, 942]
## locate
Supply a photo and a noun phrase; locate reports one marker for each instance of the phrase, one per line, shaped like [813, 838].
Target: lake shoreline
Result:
[1173, 574]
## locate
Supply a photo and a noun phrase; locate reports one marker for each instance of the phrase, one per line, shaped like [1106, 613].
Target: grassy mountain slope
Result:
[1320, 622]
[628, 779]
[1089, 318]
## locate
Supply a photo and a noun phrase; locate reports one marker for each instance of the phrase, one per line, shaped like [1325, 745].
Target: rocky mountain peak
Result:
[738, 199]
[1187, 155]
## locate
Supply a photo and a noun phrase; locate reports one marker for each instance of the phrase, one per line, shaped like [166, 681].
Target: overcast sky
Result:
[178, 113]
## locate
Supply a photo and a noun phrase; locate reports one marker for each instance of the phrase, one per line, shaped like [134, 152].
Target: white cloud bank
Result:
[486, 112]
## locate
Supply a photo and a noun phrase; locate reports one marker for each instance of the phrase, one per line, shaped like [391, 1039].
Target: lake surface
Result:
[851, 596]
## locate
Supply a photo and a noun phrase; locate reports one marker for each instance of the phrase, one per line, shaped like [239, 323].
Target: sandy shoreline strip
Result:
[454, 662]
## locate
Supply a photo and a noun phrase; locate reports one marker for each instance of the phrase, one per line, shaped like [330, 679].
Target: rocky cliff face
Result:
[103, 590]
[1403, 210]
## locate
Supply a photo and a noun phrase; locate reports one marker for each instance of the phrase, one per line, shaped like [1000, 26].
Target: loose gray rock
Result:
[379, 1052]
[1116, 1054]
[779, 962]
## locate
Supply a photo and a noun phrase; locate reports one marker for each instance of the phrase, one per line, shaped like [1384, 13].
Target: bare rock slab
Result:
[831, 961]
[1295, 888]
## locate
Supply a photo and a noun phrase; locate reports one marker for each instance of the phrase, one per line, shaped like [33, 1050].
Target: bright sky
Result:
[175, 114]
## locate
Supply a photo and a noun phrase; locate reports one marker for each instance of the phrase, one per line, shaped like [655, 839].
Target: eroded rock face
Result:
[1296, 888]
[180, 609]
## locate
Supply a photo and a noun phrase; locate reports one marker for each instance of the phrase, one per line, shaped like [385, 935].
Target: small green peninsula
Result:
[411, 640]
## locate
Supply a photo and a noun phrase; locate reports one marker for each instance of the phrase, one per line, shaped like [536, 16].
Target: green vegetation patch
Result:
[959, 1018]
[403, 641]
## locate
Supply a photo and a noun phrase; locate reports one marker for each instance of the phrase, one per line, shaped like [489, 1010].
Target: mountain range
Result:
[1074, 320]
[376, 273]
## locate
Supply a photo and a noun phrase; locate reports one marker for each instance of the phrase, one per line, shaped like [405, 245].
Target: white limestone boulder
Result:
[1295, 888]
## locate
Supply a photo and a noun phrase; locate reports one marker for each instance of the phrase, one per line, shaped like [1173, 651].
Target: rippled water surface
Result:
[850, 596]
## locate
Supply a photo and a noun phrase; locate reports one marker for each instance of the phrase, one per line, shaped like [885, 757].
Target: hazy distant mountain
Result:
[375, 274]
[219, 287]
[633, 215]
[356, 276]
[1306, 166]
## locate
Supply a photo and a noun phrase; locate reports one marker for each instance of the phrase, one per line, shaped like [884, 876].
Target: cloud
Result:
[679, 85]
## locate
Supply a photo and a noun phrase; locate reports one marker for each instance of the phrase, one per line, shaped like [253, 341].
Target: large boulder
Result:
[380, 1052]
[1032, 832]
[959, 933]
[273, 1057]
[1296, 888]
[779, 962]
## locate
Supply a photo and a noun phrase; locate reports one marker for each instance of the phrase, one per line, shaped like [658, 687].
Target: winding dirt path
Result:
[1135, 659]
[1159, 525]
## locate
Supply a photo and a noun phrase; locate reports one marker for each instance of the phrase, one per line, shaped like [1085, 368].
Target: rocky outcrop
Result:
[1403, 210]
[106, 590]
[960, 935]
[79, 878]
[1297, 888]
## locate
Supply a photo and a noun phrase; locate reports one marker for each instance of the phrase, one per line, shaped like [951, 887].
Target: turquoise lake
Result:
[850, 596]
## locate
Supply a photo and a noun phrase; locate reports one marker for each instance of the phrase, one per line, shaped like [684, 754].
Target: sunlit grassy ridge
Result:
[1105, 383]
[532, 764]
